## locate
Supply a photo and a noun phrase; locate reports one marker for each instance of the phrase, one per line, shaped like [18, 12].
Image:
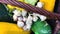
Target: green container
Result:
[32, 2]
[41, 27]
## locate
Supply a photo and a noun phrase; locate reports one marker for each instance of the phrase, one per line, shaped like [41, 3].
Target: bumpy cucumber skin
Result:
[40, 28]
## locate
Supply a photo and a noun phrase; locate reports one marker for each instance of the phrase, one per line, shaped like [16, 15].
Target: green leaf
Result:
[32, 2]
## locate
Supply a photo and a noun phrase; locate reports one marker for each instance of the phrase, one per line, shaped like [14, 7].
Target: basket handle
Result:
[31, 8]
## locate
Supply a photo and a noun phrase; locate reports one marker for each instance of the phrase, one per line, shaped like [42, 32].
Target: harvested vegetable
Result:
[41, 27]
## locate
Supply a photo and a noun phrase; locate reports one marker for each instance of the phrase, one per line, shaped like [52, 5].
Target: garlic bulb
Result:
[29, 20]
[20, 23]
[28, 23]
[27, 27]
[24, 19]
[17, 12]
[20, 19]
[24, 28]
[15, 17]
[35, 18]
[40, 4]
[24, 13]
[43, 18]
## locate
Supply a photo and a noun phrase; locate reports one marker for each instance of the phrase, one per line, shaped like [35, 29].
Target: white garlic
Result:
[15, 17]
[24, 19]
[24, 13]
[17, 12]
[29, 20]
[35, 18]
[27, 27]
[40, 4]
[28, 23]
[20, 18]
[20, 23]
[43, 18]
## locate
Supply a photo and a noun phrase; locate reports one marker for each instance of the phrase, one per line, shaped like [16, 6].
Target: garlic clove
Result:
[29, 17]
[29, 20]
[35, 18]
[15, 17]
[17, 12]
[27, 27]
[29, 23]
[24, 19]
[20, 23]
[24, 28]
[43, 18]
[40, 4]
[24, 13]
[20, 18]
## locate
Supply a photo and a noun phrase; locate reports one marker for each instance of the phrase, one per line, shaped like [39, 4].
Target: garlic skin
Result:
[15, 17]
[17, 12]
[24, 13]
[40, 4]
[20, 23]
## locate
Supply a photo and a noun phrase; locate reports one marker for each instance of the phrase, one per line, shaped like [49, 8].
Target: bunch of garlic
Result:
[26, 22]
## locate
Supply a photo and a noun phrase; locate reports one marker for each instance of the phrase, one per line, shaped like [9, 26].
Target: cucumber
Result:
[40, 27]
[4, 13]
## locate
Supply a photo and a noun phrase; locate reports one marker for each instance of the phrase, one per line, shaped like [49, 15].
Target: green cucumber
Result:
[40, 27]
[4, 13]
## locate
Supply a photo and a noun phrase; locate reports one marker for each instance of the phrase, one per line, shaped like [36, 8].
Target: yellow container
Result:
[48, 4]
[9, 28]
